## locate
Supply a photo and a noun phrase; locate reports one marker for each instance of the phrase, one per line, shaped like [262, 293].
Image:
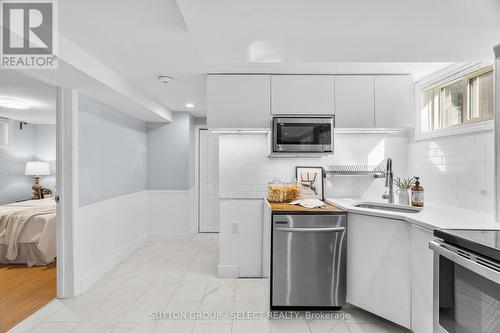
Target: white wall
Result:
[456, 171]
[113, 217]
[172, 214]
[245, 169]
[172, 204]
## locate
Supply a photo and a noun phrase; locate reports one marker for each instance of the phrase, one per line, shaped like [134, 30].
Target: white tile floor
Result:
[171, 277]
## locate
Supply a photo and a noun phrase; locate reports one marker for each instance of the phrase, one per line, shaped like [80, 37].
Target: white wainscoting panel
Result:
[172, 214]
[107, 232]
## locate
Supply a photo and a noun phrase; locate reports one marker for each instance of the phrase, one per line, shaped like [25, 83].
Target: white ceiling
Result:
[40, 96]
[343, 31]
[141, 40]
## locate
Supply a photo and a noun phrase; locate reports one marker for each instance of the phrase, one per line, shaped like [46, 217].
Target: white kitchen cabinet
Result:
[240, 238]
[378, 266]
[238, 101]
[266, 238]
[394, 101]
[354, 101]
[302, 94]
[422, 260]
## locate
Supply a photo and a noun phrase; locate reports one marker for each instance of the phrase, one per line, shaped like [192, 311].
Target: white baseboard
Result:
[228, 271]
[90, 279]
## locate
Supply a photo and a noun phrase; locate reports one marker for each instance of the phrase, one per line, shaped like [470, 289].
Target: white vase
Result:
[404, 196]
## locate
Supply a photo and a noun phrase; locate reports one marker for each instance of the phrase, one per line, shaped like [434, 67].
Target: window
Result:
[463, 100]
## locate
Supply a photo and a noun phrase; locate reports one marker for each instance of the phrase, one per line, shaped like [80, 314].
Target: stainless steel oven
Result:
[294, 134]
[466, 283]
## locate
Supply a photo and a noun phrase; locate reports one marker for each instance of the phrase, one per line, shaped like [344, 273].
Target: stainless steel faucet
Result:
[389, 182]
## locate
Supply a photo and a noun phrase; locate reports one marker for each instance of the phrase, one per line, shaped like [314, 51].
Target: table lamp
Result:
[37, 169]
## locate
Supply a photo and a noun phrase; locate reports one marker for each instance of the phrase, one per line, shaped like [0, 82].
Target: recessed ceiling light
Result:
[165, 78]
[14, 103]
[190, 105]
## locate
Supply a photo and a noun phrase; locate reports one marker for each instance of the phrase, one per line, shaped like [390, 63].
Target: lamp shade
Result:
[37, 169]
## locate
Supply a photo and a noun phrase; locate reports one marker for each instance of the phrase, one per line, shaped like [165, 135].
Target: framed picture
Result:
[311, 179]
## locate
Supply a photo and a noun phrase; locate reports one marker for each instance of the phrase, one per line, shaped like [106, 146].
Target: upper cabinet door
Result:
[354, 101]
[238, 101]
[394, 101]
[302, 94]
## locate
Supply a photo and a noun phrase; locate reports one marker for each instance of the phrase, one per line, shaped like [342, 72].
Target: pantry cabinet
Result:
[378, 267]
[238, 101]
[302, 94]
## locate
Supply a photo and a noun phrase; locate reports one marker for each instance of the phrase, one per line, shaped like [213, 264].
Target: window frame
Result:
[471, 76]
[441, 79]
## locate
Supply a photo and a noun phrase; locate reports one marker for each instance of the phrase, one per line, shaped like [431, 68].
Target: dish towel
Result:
[309, 203]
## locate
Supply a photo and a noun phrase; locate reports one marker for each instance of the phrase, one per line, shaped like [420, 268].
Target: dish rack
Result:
[377, 171]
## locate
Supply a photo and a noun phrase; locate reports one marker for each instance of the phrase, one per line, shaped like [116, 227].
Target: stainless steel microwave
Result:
[297, 134]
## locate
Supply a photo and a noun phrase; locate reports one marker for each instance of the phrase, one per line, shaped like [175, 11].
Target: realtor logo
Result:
[28, 30]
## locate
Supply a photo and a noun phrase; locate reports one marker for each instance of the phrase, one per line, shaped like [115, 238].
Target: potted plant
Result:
[46, 192]
[404, 189]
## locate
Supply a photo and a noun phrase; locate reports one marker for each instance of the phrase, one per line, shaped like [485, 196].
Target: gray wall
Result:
[33, 143]
[113, 152]
[171, 155]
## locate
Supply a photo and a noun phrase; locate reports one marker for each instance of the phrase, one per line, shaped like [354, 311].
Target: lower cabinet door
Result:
[378, 267]
[422, 259]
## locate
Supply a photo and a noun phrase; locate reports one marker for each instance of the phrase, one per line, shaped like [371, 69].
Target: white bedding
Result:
[38, 234]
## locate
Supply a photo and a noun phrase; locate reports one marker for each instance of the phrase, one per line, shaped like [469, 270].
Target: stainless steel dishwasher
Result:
[308, 268]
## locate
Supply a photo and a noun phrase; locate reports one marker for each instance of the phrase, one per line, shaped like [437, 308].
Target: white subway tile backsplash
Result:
[245, 168]
[456, 171]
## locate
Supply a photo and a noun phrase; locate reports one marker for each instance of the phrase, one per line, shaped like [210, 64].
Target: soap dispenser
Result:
[417, 194]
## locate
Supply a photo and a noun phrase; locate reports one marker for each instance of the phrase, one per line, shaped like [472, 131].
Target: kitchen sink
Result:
[388, 207]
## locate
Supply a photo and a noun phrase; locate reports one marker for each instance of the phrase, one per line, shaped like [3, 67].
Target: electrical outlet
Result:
[236, 227]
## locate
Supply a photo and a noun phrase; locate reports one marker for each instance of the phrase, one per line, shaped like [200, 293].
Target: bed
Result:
[28, 232]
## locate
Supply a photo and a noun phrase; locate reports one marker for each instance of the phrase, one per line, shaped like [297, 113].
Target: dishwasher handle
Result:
[286, 229]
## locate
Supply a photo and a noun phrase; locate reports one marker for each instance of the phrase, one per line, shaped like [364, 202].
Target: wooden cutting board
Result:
[286, 207]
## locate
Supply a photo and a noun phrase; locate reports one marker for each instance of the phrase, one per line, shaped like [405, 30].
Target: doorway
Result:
[28, 209]
[208, 160]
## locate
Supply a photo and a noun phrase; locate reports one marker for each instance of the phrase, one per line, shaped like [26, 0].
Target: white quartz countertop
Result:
[431, 217]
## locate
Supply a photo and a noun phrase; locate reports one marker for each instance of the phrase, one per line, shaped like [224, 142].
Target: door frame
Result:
[67, 183]
[197, 129]
[200, 128]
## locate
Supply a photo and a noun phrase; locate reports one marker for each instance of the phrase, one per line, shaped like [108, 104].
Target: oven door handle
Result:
[481, 270]
[337, 229]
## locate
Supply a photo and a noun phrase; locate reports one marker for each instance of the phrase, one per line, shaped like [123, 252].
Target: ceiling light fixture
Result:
[14, 103]
[165, 78]
[190, 105]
